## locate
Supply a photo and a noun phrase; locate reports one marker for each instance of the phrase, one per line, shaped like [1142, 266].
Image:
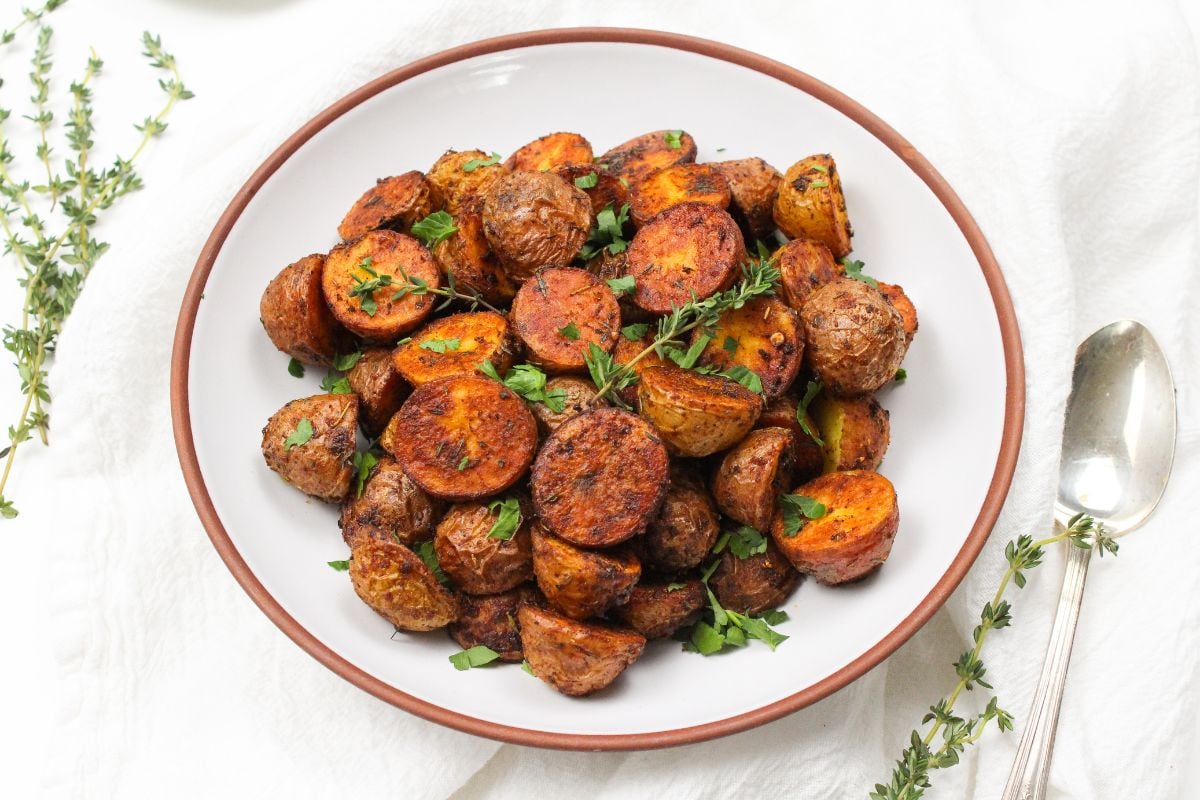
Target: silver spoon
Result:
[1118, 445]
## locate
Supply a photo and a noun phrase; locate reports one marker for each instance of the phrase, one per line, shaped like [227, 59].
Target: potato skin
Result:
[321, 467]
[391, 509]
[550, 152]
[490, 620]
[692, 249]
[380, 388]
[855, 535]
[754, 185]
[809, 457]
[682, 183]
[576, 658]
[477, 563]
[686, 528]
[394, 581]
[294, 314]
[804, 265]
[608, 191]
[650, 152]
[579, 391]
[467, 256]
[908, 312]
[481, 336]
[555, 298]
[656, 612]
[393, 203]
[534, 220]
[769, 342]
[581, 583]
[600, 478]
[607, 266]
[390, 253]
[468, 421]
[696, 415]
[628, 349]
[855, 339]
[752, 585]
[753, 474]
[811, 204]
[856, 431]
[454, 190]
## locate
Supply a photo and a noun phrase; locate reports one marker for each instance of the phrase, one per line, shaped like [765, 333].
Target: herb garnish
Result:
[529, 382]
[364, 464]
[635, 331]
[508, 519]
[475, 656]
[609, 233]
[295, 368]
[340, 566]
[798, 509]
[729, 628]
[428, 555]
[810, 391]
[336, 384]
[435, 228]
[569, 331]
[901, 375]
[587, 181]
[673, 139]
[301, 435]
[364, 288]
[730, 345]
[476, 163]
[622, 285]
[675, 586]
[417, 286]
[346, 362]
[743, 542]
[464, 463]
[440, 345]
[854, 269]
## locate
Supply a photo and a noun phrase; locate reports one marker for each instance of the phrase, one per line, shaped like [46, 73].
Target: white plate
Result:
[497, 95]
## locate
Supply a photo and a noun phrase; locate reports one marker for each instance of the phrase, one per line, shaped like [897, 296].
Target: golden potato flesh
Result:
[754, 185]
[682, 183]
[560, 312]
[534, 220]
[908, 312]
[753, 585]
[392, 203]
[855, 339]
[764, 336]
[696, 415]
[752, 476]
[550, 152]
[454, 189]
[391, 508]
[380, 388]
[310, 443]
[581, 583]
[476, 561]
[294, 314]
[811, 204]
[804, 265]
[576, 658]
[657, 610]
[394, 581]
[686, 529]
[457, 345]
[649, 153]
[856, 431]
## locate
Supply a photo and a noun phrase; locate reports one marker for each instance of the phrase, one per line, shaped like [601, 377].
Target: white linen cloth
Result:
[1072, 132]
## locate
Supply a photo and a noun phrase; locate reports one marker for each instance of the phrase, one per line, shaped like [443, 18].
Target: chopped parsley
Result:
[295, 368]
[569, 331]
[609, 233]
[635, 331]
[428, 555]
[529, 382]
[674, 139]
[476, 163]
[508, 520]
[901, 374]
[335, 384]
[435, 228]
[810, 392]
[745, 376]
[340, 566]
[743, 543]
[854, 269]
[364, 463]
[475, 656]
[622, 285]
[303, 432]
[440, 345]
[587, 181]
[730, 345]
[462, 465]
[729, 628]
[797, 510]
[346, 363]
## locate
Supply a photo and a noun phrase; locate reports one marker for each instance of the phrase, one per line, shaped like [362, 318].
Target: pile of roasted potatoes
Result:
[532, 448]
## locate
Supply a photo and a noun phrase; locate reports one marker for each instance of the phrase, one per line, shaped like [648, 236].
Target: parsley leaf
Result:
[743, 543]
[810, 392]
[462, 465]
[818, 168]
[364, 463]
[476, 163]
[635, 331]
[730, 345]
[706, 639]
[526, 666]
[901, 374]
[797, 509]
[570, 331]
[295, 369]
[440, 345]
[364, 288]
[622, 285]
[303, 432]
[529, 382]
[435, 228]
[673, 139]
[340, 566]
[745, 376]
[609, 233]
[475, 656]
[346, 363]
[429, 556]
[587, 181]
[688, 360]
[854, 269]
[675, 586]
[334, 384]
[508, 520]
[773, 616]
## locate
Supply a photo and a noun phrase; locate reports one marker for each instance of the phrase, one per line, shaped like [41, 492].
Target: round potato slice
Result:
[476, 561]
[467, 256]
[490, 620]
[691, 250]
[394, 581]
[560, 312]
[576, 658]
[908, 312]
[855, 339]
[581, 583]
[360, 281]
[649, 153]
[310, 443]
[686, 528]
[811, 204]
[534, 220]
[856, 431]
[809, 457]
[392, 203]
[578, 394]
[753, 474]
[696, 415]
[657, 610]
[600, 478]
[804, 265]
[391, 508]
[682, 183]
[754, 584]
[550, 152]
[754, 185]
[455, 184]
[294, 314]
[853, 537]
[380, 388]
[456, 345]
[606, 266]
[462, 438]
[764, 336]
[602, 187]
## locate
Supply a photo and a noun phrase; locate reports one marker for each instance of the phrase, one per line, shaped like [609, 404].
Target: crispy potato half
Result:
[392, 203]
[394, 581]
[454, 189]
[310, 443]
[754, 185]
[908, 312]
[600, 478]
[689, 250]
[550, 152]
[559, 312]
[380, 388]
[534, 220]
[476, 561]
[855, 338]
[576, 658]
[649, 153]
[578, 395]
[294, 314]
[657, 610]
[853, 537]
[856, 431]
[753, 474]
[457, 345]
[809, 457]
[682, 183]
[463, 438]
[628, 349]
[490, 620]
[467, 256]
[811, 204]
[696, 415]
[764, 336]
[377, 314]
[604, 189]
[754, 584]
[686, 528]
[581, 583]
[804, 265]
[391, 508]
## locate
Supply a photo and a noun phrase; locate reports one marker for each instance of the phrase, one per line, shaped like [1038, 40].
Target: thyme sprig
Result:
[413, 284]
[911, 775]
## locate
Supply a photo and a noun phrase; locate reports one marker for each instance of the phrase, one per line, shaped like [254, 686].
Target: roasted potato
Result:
[754, 584]
[391, 508]
[649, 153]
[463, 438]
[753, 474]
[581, 583]
[559, 312]
[467, 257]
[754, 185]
[855, 534]
[534, 220]
[628, 349]
[764, 336]
[682, 183]
[391, 204]
[294, 314]
[477, 562]
[606, 266]
[576, 658]
[856, 431]
[452, 188]
[550, 152]
[310, 443]
[811, 204]
[809, 457]
[908, 312]
[378, 315]
[457, 345]
[804, 265]
[855, 339]
[690, 251]
[578, 392]
[695, 414]
[600, 478]
[380, 388]
[490, 620]
[686, 528]
[607, 191]
[394, 581]
[657, 610]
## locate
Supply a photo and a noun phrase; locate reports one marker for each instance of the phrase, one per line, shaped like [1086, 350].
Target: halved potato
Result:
[380, 388]
[754, 185]
[607, 191]
[628, 349]
[908, 312]
[682, 183]
[764, 336]
[649, 153]
[559, 312]
[457, 345]
[657, 610]
[467, 256]
[382, 257]
[753, 474]
[392, 203]
[454, 189]
[810, 458]
[394, 581]
[294, 314]
[534, 220]
[856, 431]
[477, 562]
[696, 415]
[754, 584]
[551, 151]
[811, 204]
[391, 508]
[576, 658]
[310, 443]
[804, 265]
[686, 528]
[581, 583]
[855, 339]
[490, 620]
[579, 395]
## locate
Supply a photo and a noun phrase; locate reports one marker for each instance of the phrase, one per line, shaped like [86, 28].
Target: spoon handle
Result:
[1031, 770]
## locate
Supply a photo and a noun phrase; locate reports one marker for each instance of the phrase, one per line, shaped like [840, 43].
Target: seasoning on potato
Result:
[466, 256]
[657, 610]
[458, 181]
[295, 317]
[856, 431]
[753, 186]
[763, 336]
[753, 474]
[490, 620]
[477, 555]
[811, 204]
[855, 339]
[392, 203]
[908, 312]
[577, 395]
[756, 583]
[380, 388]
[648, 153]
[783, 412]
[696, 415]
[804, 265]
[534, 220]
[576, 658]
[685, 530]
[390, 508]
[560, 312]
[550, 152]
[395, 582]
[456, 345]
[603, 188]
[310, 443]
[581, 583]
[682, 183]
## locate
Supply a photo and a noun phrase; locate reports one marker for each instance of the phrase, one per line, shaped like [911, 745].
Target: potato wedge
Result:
[764, 336]
[576, 658]
[754, 185]
[696, 415]
[477, 562]
[855, 535]
[809, 457]
[752, 585]
[649, 153]
[463, 438]
[656, 610]
[811, 204]
[682, 183]
[908, 312]
[578, 398]
[294, 314]
[550, 152]
[391, 508]
[686, 528]
[804, 265]
[581, 583]
[380, 388]
[608, 189]
[534, 220]
[457, 345]
[690, 250]
[559, 312]
[490, 620]
[378, 315]
[454, 189]
[855, 339]
[310, 443]
[392, 204]
[600, 478]
[394, 581]
[753, 474]
[467, 256]
[856, 431]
